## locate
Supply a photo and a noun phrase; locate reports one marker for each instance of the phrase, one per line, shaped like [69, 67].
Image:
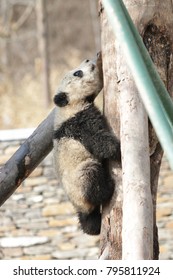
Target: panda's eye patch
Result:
[78, 73]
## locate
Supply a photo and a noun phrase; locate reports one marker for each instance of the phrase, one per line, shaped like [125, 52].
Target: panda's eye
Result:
[78, 73]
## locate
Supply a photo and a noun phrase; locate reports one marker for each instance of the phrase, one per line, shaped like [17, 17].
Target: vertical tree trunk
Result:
[6, 58]
[112, 213]
[154, 21]
[137, 223]
[43, 47]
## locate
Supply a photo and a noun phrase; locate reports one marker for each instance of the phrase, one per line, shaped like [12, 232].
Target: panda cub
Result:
[82, 143]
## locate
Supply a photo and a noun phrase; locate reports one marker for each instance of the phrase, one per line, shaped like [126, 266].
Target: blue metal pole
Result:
[155, 97]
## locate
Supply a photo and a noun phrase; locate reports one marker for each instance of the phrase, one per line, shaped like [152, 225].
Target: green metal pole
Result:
[155, 97]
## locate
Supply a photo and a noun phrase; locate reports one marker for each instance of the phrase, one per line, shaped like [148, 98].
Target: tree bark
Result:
[110, 241]
[154, 21]
[137, 201]
[26, 158]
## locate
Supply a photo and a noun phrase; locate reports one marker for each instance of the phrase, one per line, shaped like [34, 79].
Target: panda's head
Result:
[81, 85]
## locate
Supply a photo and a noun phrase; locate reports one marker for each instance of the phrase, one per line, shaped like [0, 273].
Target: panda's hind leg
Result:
[98, 186]
[90, 222]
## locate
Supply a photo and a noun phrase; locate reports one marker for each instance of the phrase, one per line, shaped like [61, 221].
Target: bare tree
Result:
[153, 21]
[43, 46]
[5, 33]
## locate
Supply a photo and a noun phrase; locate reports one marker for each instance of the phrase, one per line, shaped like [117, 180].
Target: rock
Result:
[41, 189]
[48, 232]
[37, 172]
[18, 197]
[4, 159]
[35, 181]
[62, 223]
[13, 252]
[38, 250]
[68, 246]
[170, 225]
[35, 199]
[163, 212]
[58, 209]
[11, 242]
[168, 181]
[37, 257]
[66, 255]
[11, 150]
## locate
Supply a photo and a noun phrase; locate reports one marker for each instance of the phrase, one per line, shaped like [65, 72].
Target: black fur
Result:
[61, 99]
[99, 188]
[90, 98]
[91, 222]
[89, 127]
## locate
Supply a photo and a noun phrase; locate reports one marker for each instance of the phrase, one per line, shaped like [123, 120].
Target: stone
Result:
[23, 189]
[11, 150]
[18, 197]
[11, 242]
[7, 228]
[93, 252]
[12, 252]
[169, 225]
[68, 246]
[168, 181]
[38, 205]
[163, 212]
[48, 233]
[38, 257]
[37, 172]
[48, 172]
[74, 254]
[34, 226]
[35, 198]
[21, 232]
[58, 209]
[35, 181]
[41, 189]
[38, 250]
[33, 213]
[62, 223]
[4, 159]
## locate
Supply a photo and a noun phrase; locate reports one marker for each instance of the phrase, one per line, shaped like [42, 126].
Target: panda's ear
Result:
[61, 99]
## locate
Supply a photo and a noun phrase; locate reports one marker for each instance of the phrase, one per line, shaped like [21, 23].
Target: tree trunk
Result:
[43, 47]
[137, 201]
[112, 214]
[154, 21]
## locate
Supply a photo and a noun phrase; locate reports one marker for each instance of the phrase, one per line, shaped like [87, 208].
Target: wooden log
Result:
[26, 158]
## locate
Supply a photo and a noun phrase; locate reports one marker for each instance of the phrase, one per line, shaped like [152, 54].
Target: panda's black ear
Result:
[61, 99]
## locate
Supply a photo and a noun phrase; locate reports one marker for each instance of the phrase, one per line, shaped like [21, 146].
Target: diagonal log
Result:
[26, 158]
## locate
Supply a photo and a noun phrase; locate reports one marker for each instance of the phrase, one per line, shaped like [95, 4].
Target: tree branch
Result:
[26, 158]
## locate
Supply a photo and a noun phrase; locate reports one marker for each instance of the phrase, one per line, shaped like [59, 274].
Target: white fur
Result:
[77, 89]
[70, 160]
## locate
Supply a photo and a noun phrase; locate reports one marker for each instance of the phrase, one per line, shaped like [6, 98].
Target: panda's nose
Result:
[93, 67]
